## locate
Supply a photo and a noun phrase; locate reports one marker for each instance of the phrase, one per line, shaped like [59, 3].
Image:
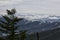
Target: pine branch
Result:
[7, 19]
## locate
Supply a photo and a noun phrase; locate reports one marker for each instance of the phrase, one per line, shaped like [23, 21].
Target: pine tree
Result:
[37, 35]
[8, 26]
[23, 34]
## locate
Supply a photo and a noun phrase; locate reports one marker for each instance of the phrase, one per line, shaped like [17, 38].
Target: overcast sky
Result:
[31, 6]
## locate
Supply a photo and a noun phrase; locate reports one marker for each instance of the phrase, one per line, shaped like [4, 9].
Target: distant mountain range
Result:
[38, 23]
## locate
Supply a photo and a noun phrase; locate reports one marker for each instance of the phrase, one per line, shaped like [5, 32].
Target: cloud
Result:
[9, 2]
[32, 6]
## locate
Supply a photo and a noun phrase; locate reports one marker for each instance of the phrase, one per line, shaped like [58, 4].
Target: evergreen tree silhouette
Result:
[23, 34]
[8, 26]
[37, 35]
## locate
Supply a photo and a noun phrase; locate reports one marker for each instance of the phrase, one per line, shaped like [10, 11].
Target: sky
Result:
[50, 7]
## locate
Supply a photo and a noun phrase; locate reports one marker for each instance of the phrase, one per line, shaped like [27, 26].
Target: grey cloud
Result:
[32, 6]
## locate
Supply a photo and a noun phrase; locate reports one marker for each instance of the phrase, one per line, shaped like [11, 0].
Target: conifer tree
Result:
[8, 26]
[37, 35]
[23, 35]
